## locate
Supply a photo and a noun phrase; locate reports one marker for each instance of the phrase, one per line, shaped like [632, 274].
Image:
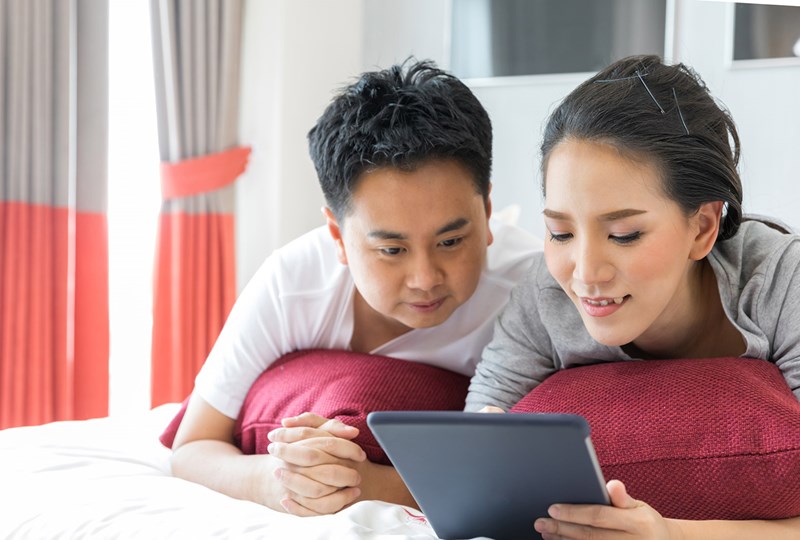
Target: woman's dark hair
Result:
[399, 117]
[663, 114]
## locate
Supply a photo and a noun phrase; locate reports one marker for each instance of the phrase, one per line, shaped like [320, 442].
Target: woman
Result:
[648, 257]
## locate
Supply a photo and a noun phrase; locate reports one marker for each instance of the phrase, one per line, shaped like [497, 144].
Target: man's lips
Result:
[426, 307]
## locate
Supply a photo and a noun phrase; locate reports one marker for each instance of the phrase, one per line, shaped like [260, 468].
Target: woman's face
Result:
[618, 246]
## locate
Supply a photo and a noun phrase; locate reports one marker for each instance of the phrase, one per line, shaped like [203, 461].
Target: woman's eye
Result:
[627, 238]
[452, 242]
[560, 237]
[390, 251]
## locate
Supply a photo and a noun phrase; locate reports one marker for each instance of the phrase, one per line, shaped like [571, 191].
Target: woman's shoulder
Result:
[539, 288]
[760, 249]
[761, 239]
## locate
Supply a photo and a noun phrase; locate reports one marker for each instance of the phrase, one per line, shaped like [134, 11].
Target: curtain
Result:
[54, 344]
[196, 47]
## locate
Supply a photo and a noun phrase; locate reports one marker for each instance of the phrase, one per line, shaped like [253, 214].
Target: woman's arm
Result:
[629, 518]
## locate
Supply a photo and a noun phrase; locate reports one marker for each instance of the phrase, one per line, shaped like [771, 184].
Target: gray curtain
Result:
[196, 48]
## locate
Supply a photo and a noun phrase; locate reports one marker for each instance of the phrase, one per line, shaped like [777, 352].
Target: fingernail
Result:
[285, 504]
[277, 473]
[543, 526]
[554, 511]
[271, 448]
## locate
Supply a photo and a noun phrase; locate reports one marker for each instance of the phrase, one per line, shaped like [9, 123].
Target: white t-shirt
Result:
[302, 298]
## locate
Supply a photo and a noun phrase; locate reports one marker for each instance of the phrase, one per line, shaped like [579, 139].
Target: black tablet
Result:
[490, 475]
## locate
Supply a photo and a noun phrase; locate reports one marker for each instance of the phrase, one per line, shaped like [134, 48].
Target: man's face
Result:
[415, 243]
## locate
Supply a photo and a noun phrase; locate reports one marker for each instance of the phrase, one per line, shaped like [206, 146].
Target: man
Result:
[403, 157]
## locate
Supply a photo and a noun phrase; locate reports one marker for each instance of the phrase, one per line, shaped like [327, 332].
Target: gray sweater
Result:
[540, 330]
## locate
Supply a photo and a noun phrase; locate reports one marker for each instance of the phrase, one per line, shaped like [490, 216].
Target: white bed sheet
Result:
[109, 478]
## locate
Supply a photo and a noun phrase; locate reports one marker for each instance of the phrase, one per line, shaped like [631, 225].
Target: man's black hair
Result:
[399, 117]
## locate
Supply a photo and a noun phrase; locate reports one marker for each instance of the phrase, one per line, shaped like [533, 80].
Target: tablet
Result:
[490, 475]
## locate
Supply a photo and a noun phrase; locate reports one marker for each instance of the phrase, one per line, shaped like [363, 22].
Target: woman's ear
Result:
[336, 233]
[706, 220]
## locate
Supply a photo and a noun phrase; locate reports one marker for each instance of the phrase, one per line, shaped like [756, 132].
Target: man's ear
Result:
[706, 222]
[336, 233]
[489, 235]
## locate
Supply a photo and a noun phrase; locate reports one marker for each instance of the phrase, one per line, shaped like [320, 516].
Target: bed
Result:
[650, 422]
[110, 478]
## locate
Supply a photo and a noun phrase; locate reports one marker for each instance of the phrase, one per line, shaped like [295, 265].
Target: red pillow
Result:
[342, 385]
[696, 439]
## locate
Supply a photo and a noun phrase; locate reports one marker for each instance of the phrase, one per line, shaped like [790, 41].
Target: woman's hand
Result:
[321, 471]
[625, 518]
[491, 409]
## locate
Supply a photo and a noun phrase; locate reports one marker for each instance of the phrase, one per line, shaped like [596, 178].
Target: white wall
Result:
[297, 52]
[764, 103]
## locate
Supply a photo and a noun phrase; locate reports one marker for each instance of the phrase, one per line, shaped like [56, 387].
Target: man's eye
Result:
[391, 251]
[563, 237]
[452, 242]
[627, 238]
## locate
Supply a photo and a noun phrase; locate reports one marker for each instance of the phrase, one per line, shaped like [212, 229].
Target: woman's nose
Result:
[591, 264]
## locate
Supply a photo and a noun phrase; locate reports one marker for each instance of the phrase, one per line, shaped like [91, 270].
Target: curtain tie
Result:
[202, 174]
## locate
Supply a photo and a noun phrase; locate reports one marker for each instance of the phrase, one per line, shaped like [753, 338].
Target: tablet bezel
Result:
[492, 475]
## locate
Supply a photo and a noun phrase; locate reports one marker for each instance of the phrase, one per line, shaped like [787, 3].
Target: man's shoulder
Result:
[512, 251]
[307, 263]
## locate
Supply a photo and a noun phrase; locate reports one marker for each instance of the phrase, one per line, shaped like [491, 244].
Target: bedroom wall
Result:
[297, 51]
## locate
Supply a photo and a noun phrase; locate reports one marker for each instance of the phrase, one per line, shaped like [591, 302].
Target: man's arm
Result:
[204, 453]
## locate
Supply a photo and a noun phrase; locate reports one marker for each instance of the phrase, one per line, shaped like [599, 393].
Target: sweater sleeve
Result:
[784, 291]
[520, 354]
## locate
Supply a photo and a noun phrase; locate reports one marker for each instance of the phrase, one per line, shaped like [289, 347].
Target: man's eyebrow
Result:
[386, 235]
[454, 225]
[610, 216]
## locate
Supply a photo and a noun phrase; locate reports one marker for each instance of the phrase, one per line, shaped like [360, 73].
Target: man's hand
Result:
[321, 472]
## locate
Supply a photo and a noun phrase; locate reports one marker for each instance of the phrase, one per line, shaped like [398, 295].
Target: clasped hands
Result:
[322, 467]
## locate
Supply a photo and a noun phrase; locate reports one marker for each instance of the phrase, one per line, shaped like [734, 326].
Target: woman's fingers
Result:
[491, 409]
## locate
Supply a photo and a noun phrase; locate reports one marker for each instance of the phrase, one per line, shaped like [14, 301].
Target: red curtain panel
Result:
[54, 343]
[195, 280]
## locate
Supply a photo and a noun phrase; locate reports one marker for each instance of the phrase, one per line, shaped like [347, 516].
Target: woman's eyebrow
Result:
[621, 214]
[610, 216]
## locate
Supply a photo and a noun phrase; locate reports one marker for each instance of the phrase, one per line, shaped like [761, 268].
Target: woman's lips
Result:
[603, 307]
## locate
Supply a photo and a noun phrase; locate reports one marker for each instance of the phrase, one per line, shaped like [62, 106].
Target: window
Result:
[764, 31]
[498, 38]
[134, 200]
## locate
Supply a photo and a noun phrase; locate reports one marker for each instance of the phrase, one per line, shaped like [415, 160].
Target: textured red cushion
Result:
[696, 439]
[342, 385]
